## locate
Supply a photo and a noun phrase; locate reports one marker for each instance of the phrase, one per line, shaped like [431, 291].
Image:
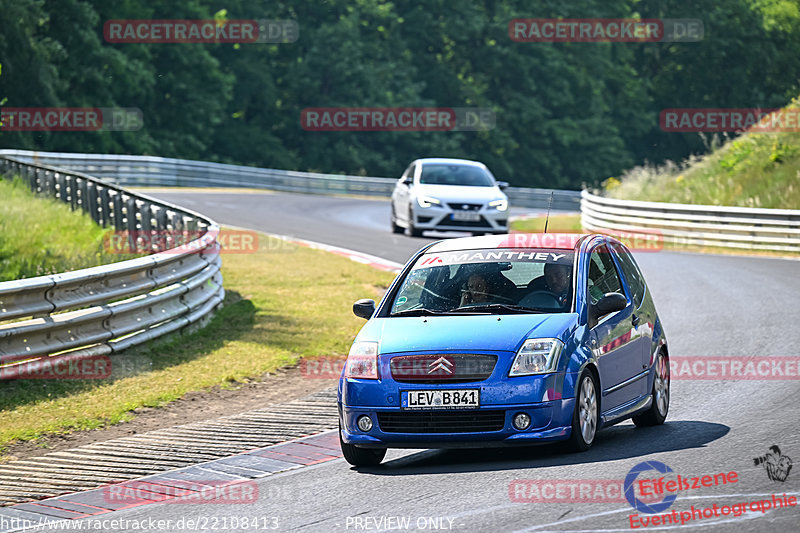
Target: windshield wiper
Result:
[422, 311]
[496, 307]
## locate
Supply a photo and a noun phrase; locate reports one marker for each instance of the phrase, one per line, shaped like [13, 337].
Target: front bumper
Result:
[550, 421]
[441, 217]
[551, 418]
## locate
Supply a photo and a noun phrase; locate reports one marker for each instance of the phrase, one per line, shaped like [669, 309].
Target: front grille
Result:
[465, 207]
[482, 223]
[442, 368]
[441, 421]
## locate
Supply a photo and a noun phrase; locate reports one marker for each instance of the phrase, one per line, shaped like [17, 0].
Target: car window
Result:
[464, 175]
[446, 281]
[409, 172]
[603, 277]
[632, 273]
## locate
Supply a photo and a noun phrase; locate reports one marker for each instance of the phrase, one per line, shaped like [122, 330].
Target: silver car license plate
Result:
[466, 216]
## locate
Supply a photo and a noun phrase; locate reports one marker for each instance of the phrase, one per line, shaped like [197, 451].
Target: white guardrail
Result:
[698, 225]
[144, 171]
[107, 309]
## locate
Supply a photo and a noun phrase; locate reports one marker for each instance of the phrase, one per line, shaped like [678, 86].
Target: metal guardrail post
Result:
[72, 182]
[63, 194]
[117, 208]
[91, 201]
[83, 194]
[105, 207]
[33, 180]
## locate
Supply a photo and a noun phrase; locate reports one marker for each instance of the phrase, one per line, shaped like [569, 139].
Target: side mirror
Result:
[408, 180]
[609, 303]
[365, 308]
[503, 185]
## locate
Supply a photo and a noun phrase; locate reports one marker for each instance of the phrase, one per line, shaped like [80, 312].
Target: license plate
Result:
[469, 216]
[441, 399]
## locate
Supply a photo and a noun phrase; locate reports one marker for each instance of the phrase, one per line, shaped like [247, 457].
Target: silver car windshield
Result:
[495, 281]
[463, 175]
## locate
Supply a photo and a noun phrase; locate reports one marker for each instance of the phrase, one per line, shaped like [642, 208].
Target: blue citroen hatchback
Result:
[505, 339]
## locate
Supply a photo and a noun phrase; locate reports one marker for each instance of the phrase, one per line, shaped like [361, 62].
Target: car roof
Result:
[557, 241]
[449, 161]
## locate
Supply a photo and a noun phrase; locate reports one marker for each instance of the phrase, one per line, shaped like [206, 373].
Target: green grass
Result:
[281, 304]
[556, 224]
[752, 170]
[40, 236]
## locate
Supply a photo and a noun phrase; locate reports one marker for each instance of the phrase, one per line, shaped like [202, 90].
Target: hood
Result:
[470, 332]
[456, 193]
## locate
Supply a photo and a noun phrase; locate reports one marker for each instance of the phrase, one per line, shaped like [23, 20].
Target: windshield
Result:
[465, 175]
[496, 281]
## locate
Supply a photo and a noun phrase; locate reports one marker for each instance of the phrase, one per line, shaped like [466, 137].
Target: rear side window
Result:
[632, 273]
[603, 276]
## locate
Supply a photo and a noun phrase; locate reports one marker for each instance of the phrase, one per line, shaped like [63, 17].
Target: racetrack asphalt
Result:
[710, 305]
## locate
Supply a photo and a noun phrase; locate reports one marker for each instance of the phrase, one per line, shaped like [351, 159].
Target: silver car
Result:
[449, 195]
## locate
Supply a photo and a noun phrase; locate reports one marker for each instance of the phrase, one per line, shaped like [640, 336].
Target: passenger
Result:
[476, 290]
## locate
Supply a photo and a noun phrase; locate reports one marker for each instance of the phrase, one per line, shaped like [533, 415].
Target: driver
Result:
[477, 290]
[556, 280]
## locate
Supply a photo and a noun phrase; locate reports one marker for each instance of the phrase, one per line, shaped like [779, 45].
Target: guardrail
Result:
[130, 170]
[110, 308]
[700, 225]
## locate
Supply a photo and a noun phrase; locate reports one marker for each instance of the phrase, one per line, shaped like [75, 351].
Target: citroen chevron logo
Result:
[440, 364]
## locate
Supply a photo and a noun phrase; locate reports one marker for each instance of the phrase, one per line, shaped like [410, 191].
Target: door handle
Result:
[634, 320]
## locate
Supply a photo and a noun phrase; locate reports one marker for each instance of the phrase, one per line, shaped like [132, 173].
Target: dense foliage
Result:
[567, 113]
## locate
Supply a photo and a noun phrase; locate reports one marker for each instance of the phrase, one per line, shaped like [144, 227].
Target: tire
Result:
[360, 456]
[395, 227]
[411, 231]
[657, 413]
[586, 414]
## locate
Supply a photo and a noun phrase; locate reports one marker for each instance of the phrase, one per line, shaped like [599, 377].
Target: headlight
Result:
[362, 361]
[500, 205]
[536, 356]
[427, 201]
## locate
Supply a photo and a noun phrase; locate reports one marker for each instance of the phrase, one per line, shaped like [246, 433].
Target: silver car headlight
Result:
[500, 205]
[536, 356]
[427, 201]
